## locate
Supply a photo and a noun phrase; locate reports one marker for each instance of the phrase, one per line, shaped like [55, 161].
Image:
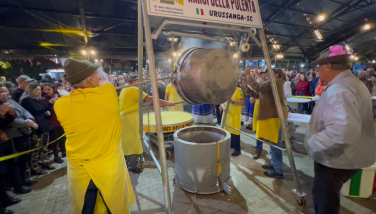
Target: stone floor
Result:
[251, 191]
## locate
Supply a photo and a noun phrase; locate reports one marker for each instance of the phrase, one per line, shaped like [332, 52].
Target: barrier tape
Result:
[306, 97]
[25, 152]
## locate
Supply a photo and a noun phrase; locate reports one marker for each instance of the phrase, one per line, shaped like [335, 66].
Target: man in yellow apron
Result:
[233, 119]
[97, 174]
[129, 111]
[173, 96]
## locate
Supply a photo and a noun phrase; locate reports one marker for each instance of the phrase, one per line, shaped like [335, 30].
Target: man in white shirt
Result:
[341, 137]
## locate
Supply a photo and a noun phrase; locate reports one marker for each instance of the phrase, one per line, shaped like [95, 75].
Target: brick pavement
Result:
[252, 192]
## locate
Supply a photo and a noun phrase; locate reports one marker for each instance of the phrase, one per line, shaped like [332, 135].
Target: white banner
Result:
[244, 13]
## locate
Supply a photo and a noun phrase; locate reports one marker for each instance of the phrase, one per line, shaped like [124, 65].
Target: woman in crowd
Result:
[302, 89]
[31, 101]
[173, 96]
[234, 117]
[61, 89]
[287, 87]
[52, 93]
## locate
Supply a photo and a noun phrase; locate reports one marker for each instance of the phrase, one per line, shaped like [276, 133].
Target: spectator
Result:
[287, 87]
[311, 77]
[31, 101]
[370, 72]
[7, 116]
[10, 86]
[48, 79]
[61, 89]
[173, 96]
[302, 89]
[362, 76]
[22, 82]
[314, 83]
[52, 94]
[292, 75]
[19, 132]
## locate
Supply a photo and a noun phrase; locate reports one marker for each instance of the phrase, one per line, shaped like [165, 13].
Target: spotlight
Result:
[235, 55]
[279, 56]
[302, 65]
[174, 54]
[321, 17]
[83, 52]
[373, 61]
[367, 27]
[92, 52]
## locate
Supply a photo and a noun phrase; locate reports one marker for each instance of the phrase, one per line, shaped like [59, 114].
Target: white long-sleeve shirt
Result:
[341, 133]
[287, 89]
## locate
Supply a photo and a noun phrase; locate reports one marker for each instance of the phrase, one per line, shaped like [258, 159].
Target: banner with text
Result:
[244, 13]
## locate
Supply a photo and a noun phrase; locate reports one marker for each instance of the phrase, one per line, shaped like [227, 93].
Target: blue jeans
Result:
[259, 145]
[276, 154]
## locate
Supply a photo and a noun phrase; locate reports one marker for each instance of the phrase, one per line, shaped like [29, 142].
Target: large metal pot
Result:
[206, 76]
[196, 159]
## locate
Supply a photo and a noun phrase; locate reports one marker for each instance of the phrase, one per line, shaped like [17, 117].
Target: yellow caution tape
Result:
[306, 97]
[25, 152]
[219, 161]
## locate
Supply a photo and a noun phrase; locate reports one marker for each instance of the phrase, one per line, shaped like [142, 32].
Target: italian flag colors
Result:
[199, 11]
[362, 185]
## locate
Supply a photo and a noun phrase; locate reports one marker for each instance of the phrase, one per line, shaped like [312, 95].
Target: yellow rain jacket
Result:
[130, 134]
[173, 96]
[234, 114]
[91, 121]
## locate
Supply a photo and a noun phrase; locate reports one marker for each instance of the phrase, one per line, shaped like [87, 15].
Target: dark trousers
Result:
[327, 185]
[57, 132]
[3, 190]
[91, 198]
[235, 142]
[218, 113]
[22, 144]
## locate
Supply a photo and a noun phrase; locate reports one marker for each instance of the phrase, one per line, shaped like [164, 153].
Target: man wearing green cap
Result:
[91, 120]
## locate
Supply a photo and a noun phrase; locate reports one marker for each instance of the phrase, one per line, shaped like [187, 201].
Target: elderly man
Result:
[91, 120]
[362, 76]
[341, 137]
[22, 81]
[129, 111]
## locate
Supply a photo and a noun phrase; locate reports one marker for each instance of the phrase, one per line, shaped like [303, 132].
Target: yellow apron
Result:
[234, 113]
[91, 121]
[268, 129]
[129, 110]
[173, 96]
[255, 113]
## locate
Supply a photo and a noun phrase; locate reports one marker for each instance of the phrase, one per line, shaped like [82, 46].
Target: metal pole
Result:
[223, 121]
[83, 23]
[280, 113]
[140, 69]
[157, 109]
[141, 83]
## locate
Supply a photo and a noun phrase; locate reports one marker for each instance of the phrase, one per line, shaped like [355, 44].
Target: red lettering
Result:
[232, 4]
[253, 6]
[213, 2]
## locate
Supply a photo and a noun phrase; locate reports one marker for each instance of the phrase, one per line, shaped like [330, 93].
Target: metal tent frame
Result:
[143, 20]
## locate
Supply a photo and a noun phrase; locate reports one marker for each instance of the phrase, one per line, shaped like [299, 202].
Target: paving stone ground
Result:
[252, 192]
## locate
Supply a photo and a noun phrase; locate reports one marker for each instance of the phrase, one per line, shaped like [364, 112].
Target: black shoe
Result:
[47, 166]
[5, 211]
[268, 167]
[136, 170]
[11, 201]
[273, 174]
[29, 182]
[257, 155]
[235, 153]
[21, 190]
[58, 160]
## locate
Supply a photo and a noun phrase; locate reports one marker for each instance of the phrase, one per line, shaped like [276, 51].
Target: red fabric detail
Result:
[320, 88]
[302, 86]
[145, 98]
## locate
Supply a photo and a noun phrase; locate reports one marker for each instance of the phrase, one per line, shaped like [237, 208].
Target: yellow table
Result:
[171, 121]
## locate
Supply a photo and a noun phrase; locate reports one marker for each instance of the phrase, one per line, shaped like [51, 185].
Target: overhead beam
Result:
[300, 26]
[287, 4]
